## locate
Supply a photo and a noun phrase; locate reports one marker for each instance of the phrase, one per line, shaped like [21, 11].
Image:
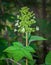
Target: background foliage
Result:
[9, 9]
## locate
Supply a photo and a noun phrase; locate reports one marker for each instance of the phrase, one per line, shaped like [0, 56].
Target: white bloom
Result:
[16, 24]
[19, 26]
[15, 30]
[17, 21]
[37, 28]
[17, 16]
[23, 30]
[6, 28]
[34, 21]
[34, 17]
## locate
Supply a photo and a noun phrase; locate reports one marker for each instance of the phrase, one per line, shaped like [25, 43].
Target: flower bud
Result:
[37, 28]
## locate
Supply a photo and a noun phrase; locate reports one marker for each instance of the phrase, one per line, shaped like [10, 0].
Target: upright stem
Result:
[7, 61]
[26, 45]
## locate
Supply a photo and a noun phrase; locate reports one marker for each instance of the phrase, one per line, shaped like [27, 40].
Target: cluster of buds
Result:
[25, 21]
[17, 25]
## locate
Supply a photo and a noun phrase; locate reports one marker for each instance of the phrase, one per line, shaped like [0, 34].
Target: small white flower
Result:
[34, 17]
[19, 26]
[37, 28]
[17, 21]
[16, 24]
[17, 16]
[34, 21]
[15, 30]
[6, 28]
[23, 30]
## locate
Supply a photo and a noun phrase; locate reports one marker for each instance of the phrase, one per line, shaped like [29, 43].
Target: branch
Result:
[13, 61]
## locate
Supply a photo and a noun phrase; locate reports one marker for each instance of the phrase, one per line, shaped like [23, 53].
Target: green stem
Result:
[26, 45]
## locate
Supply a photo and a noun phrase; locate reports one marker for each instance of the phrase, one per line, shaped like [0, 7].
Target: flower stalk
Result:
[26, 45]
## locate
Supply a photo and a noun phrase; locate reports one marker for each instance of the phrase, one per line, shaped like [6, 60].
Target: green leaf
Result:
[30, 49]
[17, 44]
[32, 62]
[10, 49]
[17, 51]
[27, 54]
[17, 55]
[36, 38]
[2, 57]
[48, 59]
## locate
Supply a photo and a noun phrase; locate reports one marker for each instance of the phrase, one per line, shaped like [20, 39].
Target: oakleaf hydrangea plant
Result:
[25, 20]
